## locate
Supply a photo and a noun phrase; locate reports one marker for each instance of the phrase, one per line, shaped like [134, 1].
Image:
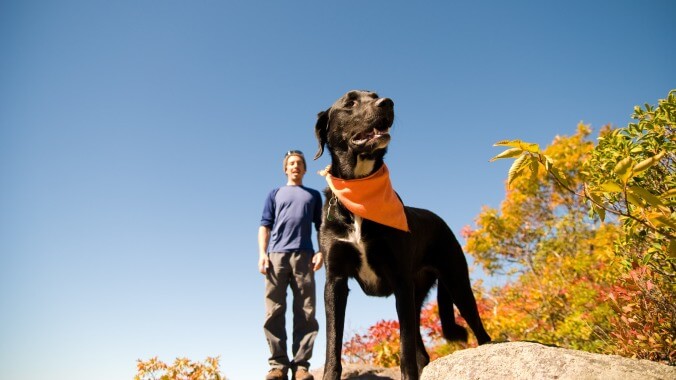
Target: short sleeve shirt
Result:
[290, 212]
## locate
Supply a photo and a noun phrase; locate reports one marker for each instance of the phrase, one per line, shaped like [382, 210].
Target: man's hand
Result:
[263, 263]
[317, 261]
[263, 239]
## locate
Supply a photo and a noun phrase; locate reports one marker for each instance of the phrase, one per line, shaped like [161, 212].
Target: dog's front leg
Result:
[335, 302]
[405, 297]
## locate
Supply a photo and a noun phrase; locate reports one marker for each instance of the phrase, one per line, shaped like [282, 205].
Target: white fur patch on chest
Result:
[364, 167]
[365, 273]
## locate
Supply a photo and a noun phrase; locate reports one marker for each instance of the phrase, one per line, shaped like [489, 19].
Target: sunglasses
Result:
[293, 152]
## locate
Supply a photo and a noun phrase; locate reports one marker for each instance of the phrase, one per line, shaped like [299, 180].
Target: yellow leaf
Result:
[611, 187]
[648, 162]
[534, 166]
[671, 193]
[646, 195]
[531, 147]
[509, 153]
[517, 168]
[546, 161]
[623, 168]
[512, 143]
[660, 220]
[635, 200]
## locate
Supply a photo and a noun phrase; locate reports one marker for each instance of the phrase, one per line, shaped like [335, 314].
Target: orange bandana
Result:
[371, 197]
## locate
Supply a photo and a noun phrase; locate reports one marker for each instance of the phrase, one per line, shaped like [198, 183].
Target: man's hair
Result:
[296, 153]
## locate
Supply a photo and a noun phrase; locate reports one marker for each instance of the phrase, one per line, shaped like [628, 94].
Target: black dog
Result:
[385, 260]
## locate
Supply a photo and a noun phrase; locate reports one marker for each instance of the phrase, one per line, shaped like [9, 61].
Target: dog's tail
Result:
[452, 331]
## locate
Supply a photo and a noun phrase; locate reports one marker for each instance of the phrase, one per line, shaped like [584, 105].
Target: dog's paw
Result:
[454, 333]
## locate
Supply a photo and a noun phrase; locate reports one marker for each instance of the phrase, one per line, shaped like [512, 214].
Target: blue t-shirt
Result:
[289, 212]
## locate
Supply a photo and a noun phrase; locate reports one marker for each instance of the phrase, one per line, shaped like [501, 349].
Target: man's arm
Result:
[263, 240]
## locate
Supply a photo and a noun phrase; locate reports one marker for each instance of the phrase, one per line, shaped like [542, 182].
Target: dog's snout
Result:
[384, 102]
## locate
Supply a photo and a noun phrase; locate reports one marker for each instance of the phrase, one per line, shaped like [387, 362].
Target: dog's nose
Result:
[384, 102]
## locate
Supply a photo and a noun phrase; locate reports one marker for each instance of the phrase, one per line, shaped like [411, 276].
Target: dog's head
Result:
[356, 130]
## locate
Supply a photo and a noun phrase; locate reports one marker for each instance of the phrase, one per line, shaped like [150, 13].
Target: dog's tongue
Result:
[366, 136]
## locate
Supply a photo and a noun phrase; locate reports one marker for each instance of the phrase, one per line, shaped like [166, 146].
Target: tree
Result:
[629, 175]
[560, 260]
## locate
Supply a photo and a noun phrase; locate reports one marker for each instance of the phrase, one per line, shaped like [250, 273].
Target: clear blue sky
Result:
[138, 140]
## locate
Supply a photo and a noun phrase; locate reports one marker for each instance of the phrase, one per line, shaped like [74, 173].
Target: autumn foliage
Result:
[181, 369]
[380, 344]
[584, 245]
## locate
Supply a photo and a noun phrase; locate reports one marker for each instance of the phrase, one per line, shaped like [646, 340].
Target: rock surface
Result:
[363, 372]
[523, 360]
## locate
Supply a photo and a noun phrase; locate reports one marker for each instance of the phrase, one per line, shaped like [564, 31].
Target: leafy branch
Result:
[652, 210]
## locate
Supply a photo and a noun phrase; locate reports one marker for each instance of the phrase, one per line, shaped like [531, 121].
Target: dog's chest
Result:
[365, 273]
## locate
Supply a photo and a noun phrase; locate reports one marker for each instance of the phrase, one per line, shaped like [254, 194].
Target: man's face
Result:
[295, 170]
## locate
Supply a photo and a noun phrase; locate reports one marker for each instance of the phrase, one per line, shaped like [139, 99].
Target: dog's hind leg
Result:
[451, 330]
[454, 277]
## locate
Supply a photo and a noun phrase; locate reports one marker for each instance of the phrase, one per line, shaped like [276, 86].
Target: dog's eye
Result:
[351, 103]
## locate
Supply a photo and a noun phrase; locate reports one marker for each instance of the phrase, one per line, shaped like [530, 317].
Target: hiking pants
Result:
[294, 270]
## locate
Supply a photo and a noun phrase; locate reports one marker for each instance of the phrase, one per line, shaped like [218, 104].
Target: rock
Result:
[523, 360]
[363, 372]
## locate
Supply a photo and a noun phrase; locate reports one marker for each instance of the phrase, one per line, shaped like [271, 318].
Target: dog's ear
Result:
[322, 130]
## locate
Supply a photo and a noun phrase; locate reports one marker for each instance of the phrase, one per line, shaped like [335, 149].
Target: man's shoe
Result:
[303, 374]
[276, 374]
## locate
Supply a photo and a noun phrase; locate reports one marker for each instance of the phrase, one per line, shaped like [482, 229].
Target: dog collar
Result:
[371, 197]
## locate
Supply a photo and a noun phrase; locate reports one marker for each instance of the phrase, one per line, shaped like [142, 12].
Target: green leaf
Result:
[596, 205]
[509, 153]
[634, 199]
[517, 168]
[672, 248]
[646, 258]
[646, 195]
[623, 168]
[611, 187]
[648, 162]
[602, 213]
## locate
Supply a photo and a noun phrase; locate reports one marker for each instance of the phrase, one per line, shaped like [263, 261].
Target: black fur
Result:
[406, 264]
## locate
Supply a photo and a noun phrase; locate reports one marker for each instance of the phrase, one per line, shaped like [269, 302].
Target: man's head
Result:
[295, 165]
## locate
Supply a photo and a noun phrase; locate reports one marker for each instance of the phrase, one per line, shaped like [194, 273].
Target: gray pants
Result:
[291, 269]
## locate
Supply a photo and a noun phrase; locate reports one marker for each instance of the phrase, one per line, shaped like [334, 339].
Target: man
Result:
[287, 259]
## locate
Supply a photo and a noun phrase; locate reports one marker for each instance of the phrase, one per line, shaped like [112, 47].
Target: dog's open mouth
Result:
[370, 136]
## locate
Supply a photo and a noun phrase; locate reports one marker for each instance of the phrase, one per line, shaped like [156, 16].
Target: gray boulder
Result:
[523, 360]
[363, 372]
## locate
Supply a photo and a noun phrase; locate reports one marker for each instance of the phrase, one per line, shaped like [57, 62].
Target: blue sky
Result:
[138, 140]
